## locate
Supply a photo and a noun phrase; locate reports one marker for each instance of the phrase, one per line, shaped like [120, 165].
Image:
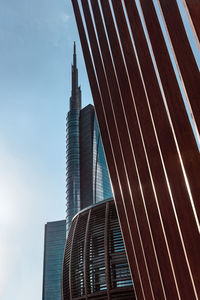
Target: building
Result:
[95, 264]
[54, 245]
[150, 147]
[72, 147]
[87, 179]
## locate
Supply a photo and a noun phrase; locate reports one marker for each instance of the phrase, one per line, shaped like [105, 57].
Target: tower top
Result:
[74, 55]
[75, 100]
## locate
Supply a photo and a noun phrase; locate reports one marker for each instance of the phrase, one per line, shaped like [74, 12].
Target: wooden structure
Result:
[95, 264]
[150, 146]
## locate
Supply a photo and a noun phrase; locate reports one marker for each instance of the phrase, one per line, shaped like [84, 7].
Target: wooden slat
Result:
[184, 137]
[183, 53]
[106, 247]
[117, 151]
[85, 256]
[190, 75]
[165, 137]
[165, 204]
[182, 128]
[193, 9]
[70, 260]
[125, 143]
[108, 152]
[148, 192]
[90, 229]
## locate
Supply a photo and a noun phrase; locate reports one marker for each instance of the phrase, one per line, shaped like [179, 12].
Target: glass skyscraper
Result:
[87, 179]
[101, 179]
[54, 244]
[72, 147]
[87, 182]
[93, 264]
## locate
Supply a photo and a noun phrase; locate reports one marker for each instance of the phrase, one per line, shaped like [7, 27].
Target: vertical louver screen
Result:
[95, 264]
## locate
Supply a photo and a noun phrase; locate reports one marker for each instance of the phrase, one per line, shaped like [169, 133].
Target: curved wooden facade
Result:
[95, 264]
[150, 146]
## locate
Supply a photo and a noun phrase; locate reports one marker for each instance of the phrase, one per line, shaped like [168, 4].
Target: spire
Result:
[75, 100]
[74, 55]
[74, 73]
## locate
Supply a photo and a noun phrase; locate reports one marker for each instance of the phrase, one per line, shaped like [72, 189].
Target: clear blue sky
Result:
[36, 43]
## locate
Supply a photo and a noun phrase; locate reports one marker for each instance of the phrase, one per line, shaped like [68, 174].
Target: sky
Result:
[36, 44]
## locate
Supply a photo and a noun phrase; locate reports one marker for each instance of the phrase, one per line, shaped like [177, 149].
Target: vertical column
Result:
[86, 258]
[106, 248]
[70, 260]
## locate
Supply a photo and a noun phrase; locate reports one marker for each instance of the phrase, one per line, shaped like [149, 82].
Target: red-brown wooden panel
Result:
[165, 136]
[183, 133]
[110, 159]
[193, 7]
[184, 55]
[187, 64]
[183, 130]
[153, 215]
[127, 153]
[114, 88]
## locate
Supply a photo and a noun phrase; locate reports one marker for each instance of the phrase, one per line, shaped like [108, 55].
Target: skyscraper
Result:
[87, 179]
[87, 182]
[73, 147]
[54, 244]
[95, 264]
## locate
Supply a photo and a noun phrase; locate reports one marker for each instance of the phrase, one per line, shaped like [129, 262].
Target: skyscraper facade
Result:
[87, 178]
[54, 244]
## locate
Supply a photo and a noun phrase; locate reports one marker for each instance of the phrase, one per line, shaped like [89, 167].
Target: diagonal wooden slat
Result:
[115, 97]
[178, 115]
[117, 146]
[182, 51]
[163, 130]
[184, 135]
[192, 7]
[145, 147]
[110, 159]
[151, 205]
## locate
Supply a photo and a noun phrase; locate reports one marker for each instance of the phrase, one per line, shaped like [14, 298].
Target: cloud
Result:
[64, 18]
